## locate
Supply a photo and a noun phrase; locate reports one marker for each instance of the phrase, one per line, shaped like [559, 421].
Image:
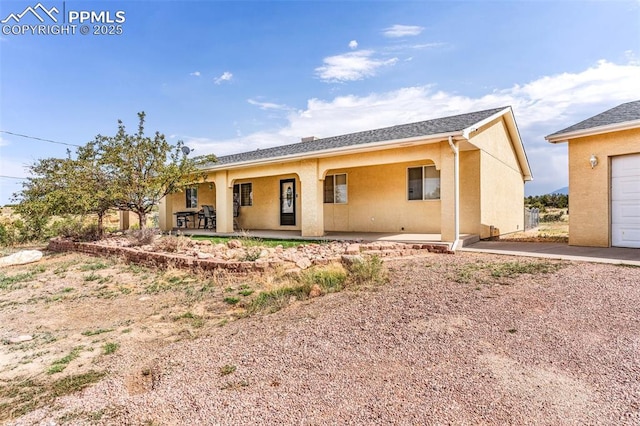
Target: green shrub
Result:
[75, 228]
[330, 278]
[552, 217]
[369, 270]
[12, 232]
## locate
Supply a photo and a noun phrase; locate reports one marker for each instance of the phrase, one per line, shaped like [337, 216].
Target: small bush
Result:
[369, 270]
[11, 232]
[330, 278]
[227, 369]
[172, 243]
[551, 217]
[251, 254]
[141, 237]
[74, 228]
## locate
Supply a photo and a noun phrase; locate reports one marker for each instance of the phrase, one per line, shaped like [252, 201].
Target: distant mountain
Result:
[563, 191]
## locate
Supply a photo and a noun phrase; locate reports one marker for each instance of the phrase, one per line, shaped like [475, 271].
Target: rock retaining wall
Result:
[203, 262]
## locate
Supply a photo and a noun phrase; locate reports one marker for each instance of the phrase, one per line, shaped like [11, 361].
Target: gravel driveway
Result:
[453, 339]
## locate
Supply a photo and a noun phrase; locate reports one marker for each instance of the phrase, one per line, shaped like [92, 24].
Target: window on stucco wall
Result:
[192, 198]
[244, 193]
[423, 183]
[335, 189]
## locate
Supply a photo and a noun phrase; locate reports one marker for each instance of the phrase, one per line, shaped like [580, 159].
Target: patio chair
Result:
[209, 217]
[236, 213]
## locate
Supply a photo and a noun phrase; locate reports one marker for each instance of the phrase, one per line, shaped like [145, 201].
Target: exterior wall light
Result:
[593, 160]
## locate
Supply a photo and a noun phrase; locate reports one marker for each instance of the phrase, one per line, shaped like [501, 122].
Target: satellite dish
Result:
[186, 150]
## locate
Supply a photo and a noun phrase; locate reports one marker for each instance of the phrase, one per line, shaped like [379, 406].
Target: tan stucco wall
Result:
[178, 202]
[265, 211]
[501, 182]
[377, 202]
[470, 192]
[494, 140]
[501, 198]
[589, 198]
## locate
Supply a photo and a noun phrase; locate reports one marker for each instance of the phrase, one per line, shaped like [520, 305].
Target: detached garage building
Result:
[604, 178]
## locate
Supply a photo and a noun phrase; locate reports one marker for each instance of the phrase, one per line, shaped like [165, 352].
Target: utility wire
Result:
[12, 177]
[38, 139]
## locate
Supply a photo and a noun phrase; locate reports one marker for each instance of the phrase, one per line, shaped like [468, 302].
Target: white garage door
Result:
[625, 201]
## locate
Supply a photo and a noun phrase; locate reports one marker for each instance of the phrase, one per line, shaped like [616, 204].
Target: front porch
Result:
[465, 239]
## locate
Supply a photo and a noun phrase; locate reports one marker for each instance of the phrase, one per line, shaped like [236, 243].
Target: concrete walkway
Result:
[615, 255]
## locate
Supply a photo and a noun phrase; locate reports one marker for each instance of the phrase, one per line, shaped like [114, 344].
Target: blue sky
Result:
[228, 77]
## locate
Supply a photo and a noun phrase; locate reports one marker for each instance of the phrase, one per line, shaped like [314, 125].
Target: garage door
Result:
[625, 201]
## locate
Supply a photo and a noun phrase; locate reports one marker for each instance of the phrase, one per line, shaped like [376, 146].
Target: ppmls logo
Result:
[69, 22]
[34, 11]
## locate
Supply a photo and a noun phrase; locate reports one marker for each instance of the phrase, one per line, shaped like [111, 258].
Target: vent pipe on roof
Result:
[308, 139]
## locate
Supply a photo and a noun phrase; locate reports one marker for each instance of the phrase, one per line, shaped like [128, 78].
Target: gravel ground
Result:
[450, 340]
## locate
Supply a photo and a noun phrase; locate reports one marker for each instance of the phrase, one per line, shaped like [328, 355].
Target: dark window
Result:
[423, 183]
[192, 198]
[244, 193]
[335, 189]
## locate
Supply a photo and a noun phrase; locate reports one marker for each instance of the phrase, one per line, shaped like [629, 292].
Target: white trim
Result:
[616, 127]
[473, 128]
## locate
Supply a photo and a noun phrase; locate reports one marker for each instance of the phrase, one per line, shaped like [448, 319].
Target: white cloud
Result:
[268, 105]
[353, 44]
[351, 66]
[402, 31]
[195, 73]
[226, 76]
[631, 55]
[541, 107]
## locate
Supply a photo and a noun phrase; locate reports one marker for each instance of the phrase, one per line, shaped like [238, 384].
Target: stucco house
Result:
[462, 174]
[604, 177]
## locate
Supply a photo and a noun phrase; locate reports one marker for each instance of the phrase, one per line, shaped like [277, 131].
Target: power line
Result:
[38, 139]
[13, 177]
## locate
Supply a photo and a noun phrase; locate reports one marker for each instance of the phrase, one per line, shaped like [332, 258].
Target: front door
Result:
[288, 202]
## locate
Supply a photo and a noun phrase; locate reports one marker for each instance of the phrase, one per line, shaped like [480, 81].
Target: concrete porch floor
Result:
[466, 239]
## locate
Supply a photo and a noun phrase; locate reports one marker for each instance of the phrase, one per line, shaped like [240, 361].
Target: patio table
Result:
[184, 217]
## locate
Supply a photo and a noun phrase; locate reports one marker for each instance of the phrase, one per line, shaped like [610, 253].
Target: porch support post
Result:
[165, 215]
[449, 198]
[456, 193]
[311, 203]
[224, 203]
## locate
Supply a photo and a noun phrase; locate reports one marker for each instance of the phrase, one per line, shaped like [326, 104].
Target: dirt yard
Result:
[450, 339]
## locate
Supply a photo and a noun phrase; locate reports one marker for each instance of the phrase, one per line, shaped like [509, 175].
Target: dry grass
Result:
[83, 312]
[550, 232]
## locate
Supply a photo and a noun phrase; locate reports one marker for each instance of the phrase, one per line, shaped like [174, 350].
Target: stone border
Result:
[386, 250]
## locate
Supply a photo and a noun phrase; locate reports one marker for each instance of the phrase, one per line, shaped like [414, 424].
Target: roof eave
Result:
[616, 127]
[352, 149]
